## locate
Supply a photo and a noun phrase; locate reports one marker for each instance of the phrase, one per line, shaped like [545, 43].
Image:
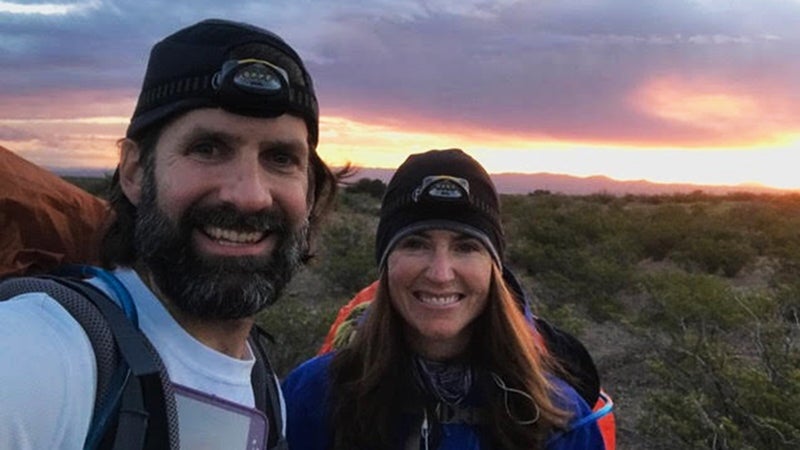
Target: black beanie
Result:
[444, 189]
[182, 69]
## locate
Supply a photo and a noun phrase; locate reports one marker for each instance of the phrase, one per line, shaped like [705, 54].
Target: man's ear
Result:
[131, 171]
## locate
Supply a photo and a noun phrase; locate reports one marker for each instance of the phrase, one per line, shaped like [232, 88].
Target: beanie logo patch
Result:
[252, 75]
[442, 187]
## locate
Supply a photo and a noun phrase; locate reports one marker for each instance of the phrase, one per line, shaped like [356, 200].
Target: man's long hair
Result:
[371, 377]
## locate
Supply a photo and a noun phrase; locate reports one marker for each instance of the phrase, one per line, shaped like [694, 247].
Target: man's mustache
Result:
[228, 216]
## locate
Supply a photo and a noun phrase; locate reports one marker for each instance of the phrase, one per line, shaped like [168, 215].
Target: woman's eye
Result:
[412, 243]
[468, 246]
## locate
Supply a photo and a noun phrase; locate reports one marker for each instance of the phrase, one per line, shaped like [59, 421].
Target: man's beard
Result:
[209, 286]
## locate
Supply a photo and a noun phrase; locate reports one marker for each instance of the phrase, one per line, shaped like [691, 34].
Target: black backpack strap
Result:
[144, 418]
[574, 359]
[266, 390]
[131, 382]
[581, 372]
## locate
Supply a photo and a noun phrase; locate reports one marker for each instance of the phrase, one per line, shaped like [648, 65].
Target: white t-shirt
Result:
[48, 374]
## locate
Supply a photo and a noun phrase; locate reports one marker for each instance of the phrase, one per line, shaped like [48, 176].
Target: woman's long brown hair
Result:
[371, 377]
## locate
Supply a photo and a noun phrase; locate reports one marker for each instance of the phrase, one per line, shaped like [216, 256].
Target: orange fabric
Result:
[44, 220]
[607, 425]
[364, 295]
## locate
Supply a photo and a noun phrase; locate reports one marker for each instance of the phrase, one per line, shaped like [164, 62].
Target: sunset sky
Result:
[702, 91]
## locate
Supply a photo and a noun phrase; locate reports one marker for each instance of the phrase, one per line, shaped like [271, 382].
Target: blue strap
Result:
[587, 419]
[595, 415]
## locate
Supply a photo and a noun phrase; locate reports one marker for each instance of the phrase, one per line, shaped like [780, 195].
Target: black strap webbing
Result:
[265, 390]
[133, 418]
[143, 418]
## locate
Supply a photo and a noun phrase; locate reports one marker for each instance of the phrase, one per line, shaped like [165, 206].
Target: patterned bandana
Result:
[447, 382]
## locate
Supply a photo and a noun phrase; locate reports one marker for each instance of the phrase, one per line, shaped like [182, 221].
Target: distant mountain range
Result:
[523, 183]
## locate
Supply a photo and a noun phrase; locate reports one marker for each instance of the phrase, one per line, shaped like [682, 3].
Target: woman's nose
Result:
[440, 266]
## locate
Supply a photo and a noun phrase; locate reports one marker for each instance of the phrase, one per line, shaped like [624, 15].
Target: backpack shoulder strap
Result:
[574, 359]
[266, 389]
[134, 407]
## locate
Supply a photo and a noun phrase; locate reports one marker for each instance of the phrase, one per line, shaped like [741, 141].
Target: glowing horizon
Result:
[389, 147]
[91, 143]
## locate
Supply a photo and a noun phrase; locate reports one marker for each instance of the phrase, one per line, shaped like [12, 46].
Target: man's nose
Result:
[247, 187]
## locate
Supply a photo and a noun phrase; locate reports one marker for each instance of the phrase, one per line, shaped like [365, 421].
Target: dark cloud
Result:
[565, 69]
[105, 46]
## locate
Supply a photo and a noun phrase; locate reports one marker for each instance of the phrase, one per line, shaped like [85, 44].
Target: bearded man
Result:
[217, 193]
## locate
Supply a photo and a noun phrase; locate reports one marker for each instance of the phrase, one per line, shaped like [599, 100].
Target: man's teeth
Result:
[439, 300]
[233, 236]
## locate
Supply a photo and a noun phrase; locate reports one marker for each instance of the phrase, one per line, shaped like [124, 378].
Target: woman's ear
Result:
[131, 170]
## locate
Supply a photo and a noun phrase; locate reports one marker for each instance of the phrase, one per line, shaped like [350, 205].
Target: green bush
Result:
[347, 253]
[715, 256]
[579, 252]
[679, 301]
[728, 365]
[661, 230]
[359, 203]
[372, 187]
[298, 327]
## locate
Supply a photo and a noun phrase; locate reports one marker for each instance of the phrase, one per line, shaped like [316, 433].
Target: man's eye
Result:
[205, 149]
[281, 161]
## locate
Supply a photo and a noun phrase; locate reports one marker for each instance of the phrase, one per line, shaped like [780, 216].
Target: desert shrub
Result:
[661, 230]
[347, 253]
[372, 187]
[710, 237]
[678, 301]
[727, 363]
[726, 256]
[564, 315]
[579, 251]
[581, 278]
[297, 327]
[359, 203]
[788, 295]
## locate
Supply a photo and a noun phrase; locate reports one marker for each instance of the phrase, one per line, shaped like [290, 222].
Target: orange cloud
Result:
[80, 142]
[741, 115]
[386, 145]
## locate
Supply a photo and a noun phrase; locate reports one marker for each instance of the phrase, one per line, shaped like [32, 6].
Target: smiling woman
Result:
[445, 358]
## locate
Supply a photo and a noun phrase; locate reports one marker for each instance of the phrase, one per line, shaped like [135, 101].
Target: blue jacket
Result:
[306, 390]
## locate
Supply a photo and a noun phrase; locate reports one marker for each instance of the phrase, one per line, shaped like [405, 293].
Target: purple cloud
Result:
[565, 69]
